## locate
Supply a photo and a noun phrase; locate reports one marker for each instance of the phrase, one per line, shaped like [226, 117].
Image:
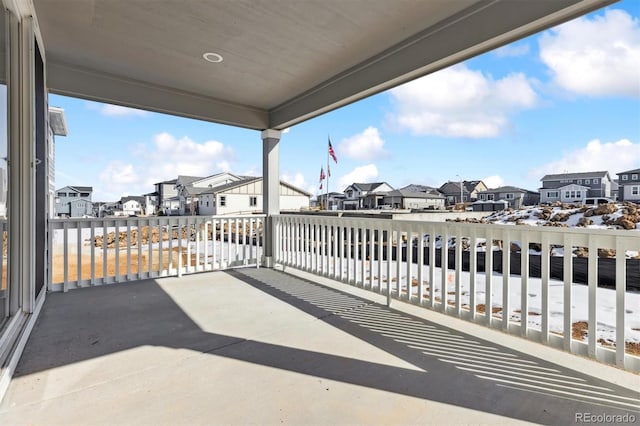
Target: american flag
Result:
[332, 152]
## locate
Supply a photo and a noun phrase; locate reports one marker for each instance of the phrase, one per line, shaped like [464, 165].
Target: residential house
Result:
[132, 205]
[615, 190]
[74, 201]
[365, 195]
[470, 190]
[189, 189]
[574, 187]
[421, 188]
[151, 203]
[57, 127]
[244, 196]
[515, 197]
[474, 188]
[168, 202]
[629, 185]
[406, 199]
[332, 200]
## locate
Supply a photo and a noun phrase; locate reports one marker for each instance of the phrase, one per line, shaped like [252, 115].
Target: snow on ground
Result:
[606, 298]
[569, 215]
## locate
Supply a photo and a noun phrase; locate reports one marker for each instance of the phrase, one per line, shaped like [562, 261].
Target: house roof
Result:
[77, 188]
[244, 181]
[412, 194]
[57, 121]
[629, 171]
[167, 182]
[371, 186]
[420, 188]
[507, 189]
[452, 188]
[582, 175]
[278, 63]
[470, 185]
[137, 198]
[186, 180]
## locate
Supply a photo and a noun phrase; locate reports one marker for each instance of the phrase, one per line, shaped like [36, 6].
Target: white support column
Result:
[270, 189]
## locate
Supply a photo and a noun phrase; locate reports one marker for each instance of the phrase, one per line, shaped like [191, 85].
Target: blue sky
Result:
[567, 99]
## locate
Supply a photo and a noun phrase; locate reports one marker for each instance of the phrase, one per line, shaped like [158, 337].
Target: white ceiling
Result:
[284, 60]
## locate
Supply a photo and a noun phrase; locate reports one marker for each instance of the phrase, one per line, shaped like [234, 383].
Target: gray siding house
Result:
[514, 196]
[629, 186]
[74, 201]
[365, 195]
[405, 199]
[575, 187]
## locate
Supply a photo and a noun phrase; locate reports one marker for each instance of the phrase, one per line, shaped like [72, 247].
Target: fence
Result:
[374, 254]
[87, 252]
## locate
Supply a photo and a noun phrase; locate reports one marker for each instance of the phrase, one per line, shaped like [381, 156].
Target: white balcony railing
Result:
[86, 252]
[540, 299]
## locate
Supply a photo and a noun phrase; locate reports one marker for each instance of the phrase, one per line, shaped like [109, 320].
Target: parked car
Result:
[596, 200]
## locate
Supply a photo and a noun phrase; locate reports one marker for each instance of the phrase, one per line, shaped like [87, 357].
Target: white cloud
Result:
[460, 102]
[494, 181]
[362, 174]
[512, 50]
[120, 111]
[595, 56]
[167, 158]
[613, 157]
[365, 146]
[298, 180]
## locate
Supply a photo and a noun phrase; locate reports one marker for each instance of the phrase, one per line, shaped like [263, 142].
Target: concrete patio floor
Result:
[260, 346]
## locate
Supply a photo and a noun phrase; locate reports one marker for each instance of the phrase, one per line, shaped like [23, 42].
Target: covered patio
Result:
[262, 346]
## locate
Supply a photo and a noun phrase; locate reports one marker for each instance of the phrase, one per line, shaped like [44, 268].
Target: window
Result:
[634, 176]
[509, 196]
[73, 194]
[490, 197]
[635, 190]
[253, 201]
[84, 194]
[625, 177]
[567, 194]
[223, 201]
[552, 194]
[595, 181]
[587, 181]
[207, 203]
[62, 194]
[578, 194]
[579, 181]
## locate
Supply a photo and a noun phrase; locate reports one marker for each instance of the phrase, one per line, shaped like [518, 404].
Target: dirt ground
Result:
[137, 264]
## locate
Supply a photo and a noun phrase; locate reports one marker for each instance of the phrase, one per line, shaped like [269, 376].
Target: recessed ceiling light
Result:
[212, 57]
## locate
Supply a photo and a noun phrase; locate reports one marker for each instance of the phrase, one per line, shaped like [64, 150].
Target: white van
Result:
[592, 201]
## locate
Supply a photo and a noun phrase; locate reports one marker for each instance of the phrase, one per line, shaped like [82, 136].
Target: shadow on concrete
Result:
[458, 369]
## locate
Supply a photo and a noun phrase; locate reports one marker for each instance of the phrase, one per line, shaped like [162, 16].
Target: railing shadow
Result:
[457, 369]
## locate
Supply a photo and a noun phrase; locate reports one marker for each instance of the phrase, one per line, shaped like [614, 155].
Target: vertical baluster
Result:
[420, 243]
[488, 275]
[117, 244]
[621, 288]
[546, 253]
[79, 252]
[65, 241]
[128, 240]
[593, 300]
[92, 244]
[432, 265]
[444, 263]
[506, 272]
[567, 263]
[524, 277]
[458, 273]
[473, 268]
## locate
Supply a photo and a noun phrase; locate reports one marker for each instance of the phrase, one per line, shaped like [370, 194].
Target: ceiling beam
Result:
[484, 26]
[87, 84]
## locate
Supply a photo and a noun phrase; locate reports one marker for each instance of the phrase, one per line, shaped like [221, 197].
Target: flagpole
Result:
[328, 175]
